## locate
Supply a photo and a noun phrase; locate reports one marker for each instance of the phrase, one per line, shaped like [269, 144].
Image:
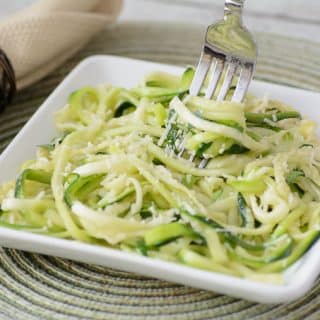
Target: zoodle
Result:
[113, 176]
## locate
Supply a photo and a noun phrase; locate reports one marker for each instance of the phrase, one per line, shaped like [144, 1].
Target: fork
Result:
[229, 45]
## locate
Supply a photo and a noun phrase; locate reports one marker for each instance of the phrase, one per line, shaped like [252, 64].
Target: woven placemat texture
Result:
[35, 286]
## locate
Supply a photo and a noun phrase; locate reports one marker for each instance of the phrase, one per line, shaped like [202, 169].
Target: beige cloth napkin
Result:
[42, 36]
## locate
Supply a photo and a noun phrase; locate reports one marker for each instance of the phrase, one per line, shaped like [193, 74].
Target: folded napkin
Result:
[39, 38]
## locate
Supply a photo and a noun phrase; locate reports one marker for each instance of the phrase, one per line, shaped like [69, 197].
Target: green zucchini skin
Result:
[54, 142]
[262, 119]
[278, 254]
[164, 234]
[236, 149]
[247, 218]
[197, 260]
[300, 248]
[273, 252]
[231, 124]
[242, 208]
[124, 106]
[232, 239]
[121, 196]
[80, 185]
[142, 248]
[259, 118]
[32, 175]
[187, 78]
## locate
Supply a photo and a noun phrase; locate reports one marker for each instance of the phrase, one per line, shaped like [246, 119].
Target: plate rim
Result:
[260, 292]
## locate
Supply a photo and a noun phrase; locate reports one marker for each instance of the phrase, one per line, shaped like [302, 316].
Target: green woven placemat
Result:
[34, 286]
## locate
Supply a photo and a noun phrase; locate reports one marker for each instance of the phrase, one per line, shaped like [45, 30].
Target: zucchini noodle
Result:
[115, 176]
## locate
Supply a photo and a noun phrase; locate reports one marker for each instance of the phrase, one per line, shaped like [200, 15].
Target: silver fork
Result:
[229, 45]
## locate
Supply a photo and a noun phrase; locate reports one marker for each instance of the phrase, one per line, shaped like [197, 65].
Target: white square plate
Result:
[126, 73]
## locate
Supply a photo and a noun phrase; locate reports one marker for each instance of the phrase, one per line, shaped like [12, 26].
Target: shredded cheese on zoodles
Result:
[116, 176]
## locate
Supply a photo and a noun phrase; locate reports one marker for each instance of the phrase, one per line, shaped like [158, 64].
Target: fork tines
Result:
[221, 62]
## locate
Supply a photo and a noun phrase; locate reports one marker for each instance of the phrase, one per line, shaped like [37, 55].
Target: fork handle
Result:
[233, 7]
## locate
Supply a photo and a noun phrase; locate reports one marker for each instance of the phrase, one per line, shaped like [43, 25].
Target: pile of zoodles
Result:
[113, 177]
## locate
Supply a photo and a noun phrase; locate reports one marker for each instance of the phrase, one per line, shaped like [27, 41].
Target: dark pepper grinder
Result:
[7, 81]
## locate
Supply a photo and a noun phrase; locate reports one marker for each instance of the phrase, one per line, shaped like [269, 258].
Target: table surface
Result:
[294, 18]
